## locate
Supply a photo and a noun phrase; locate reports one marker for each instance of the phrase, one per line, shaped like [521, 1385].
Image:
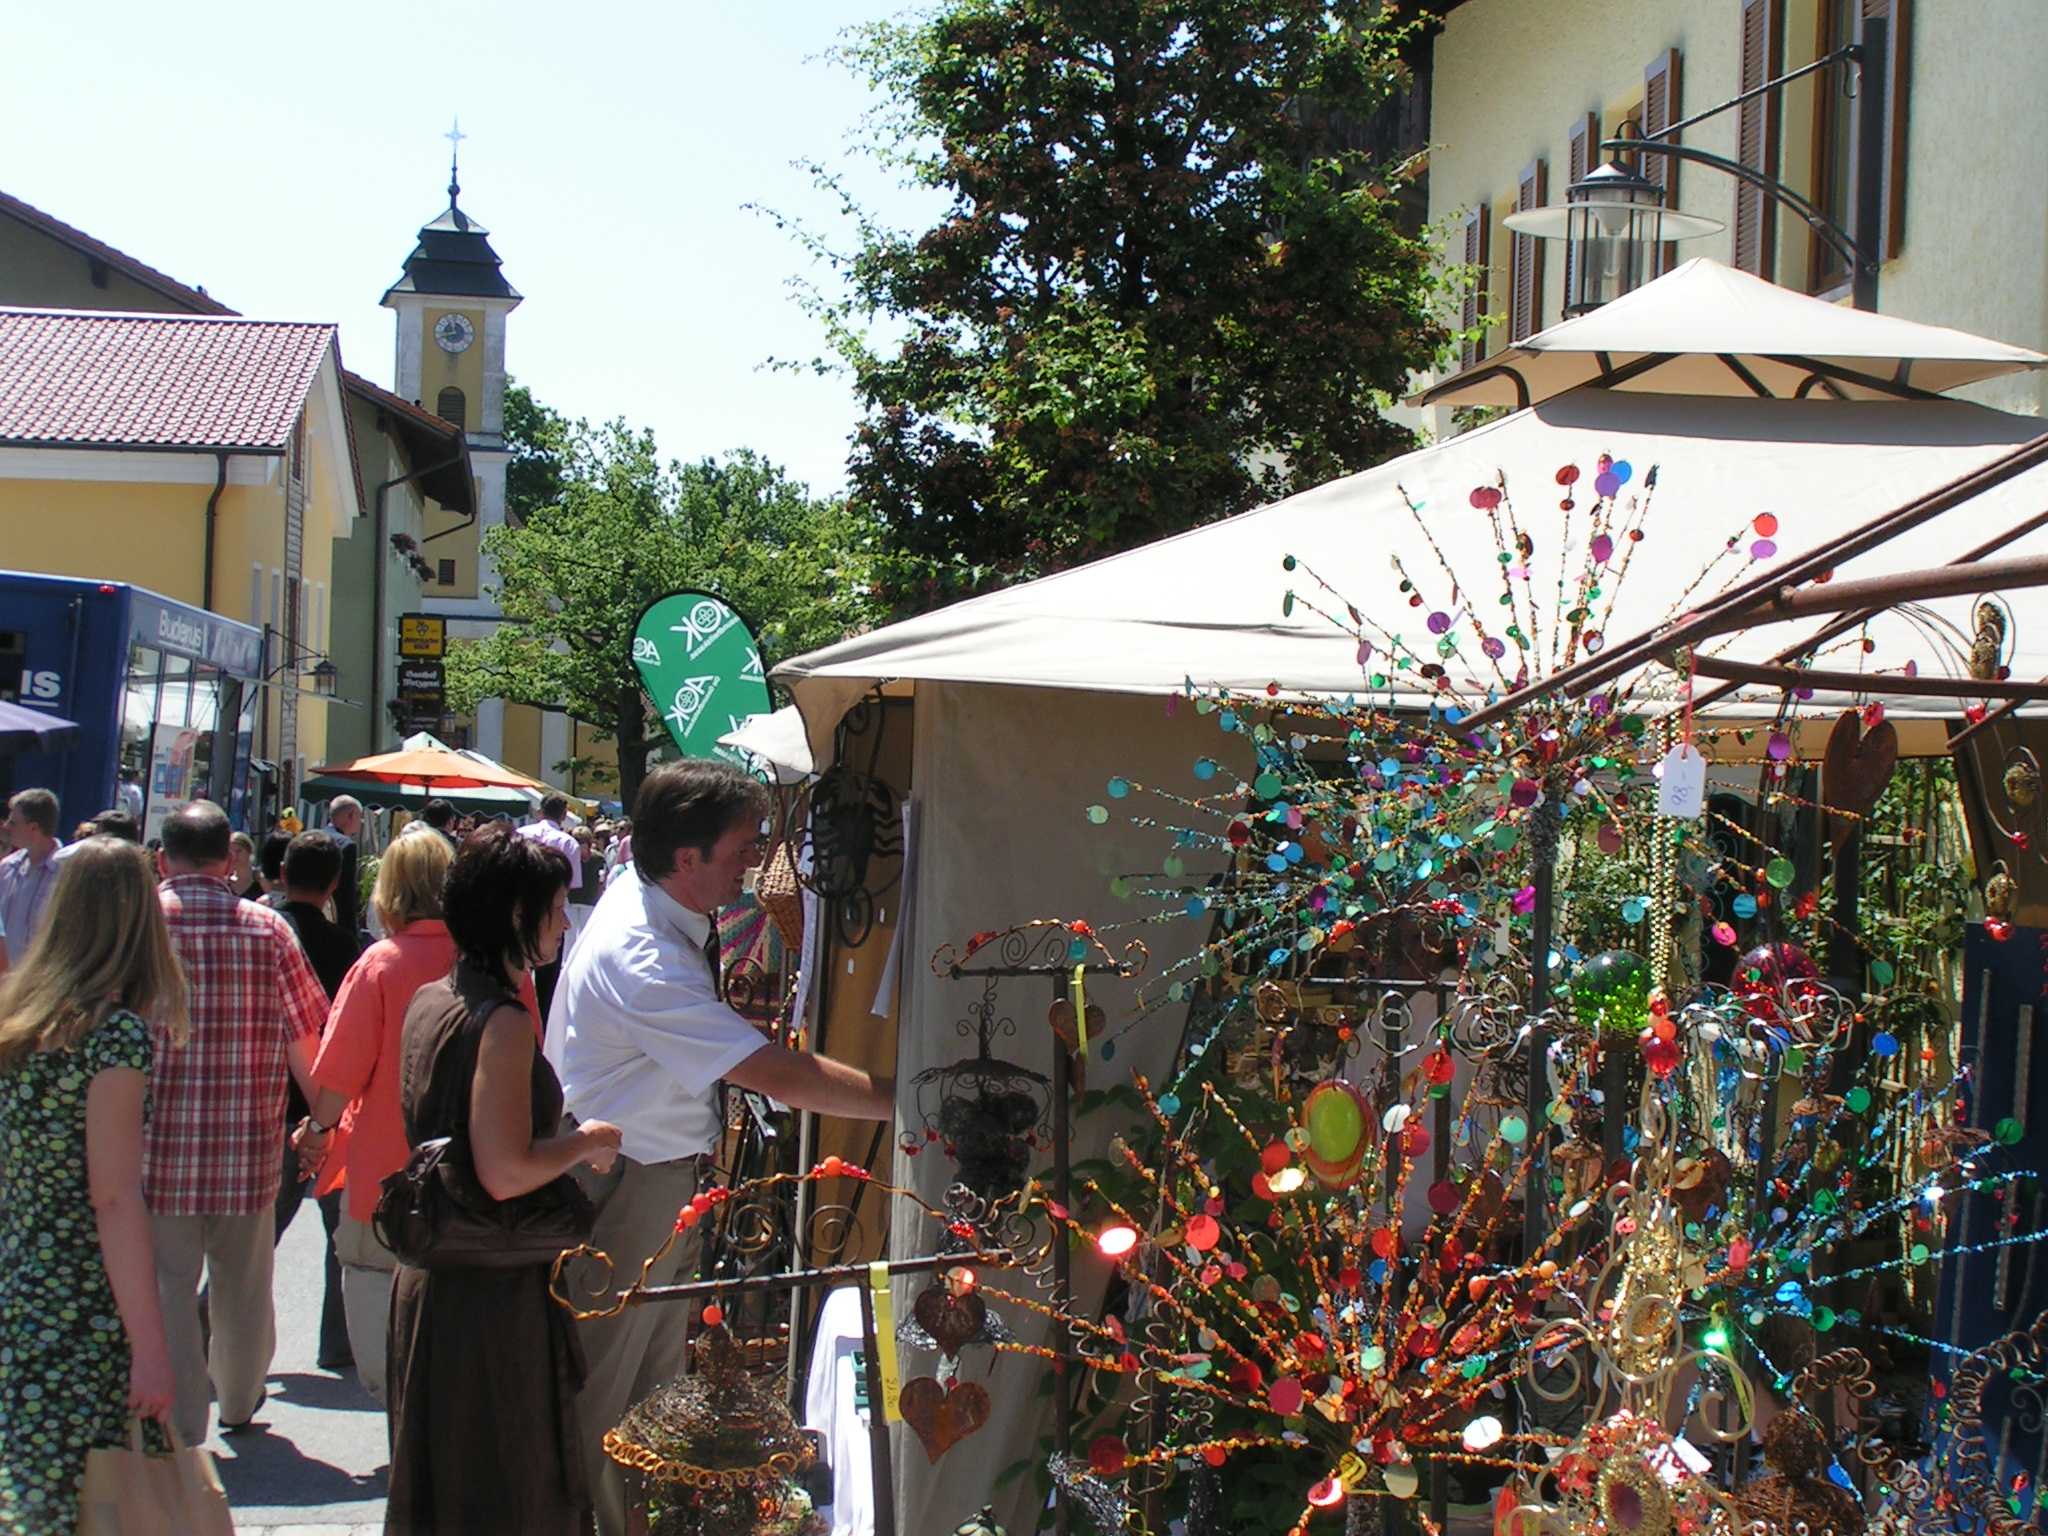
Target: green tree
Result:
[537, 437]
[1169, 285]
[627, 528]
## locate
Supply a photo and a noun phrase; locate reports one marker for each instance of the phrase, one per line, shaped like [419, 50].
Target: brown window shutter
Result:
[1525, 258]
[1475, 257]
[1660, 111]
[1898, 47]
[1581, 145]
[1757, 138]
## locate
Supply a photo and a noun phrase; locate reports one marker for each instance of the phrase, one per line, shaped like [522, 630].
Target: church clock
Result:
[454, 333]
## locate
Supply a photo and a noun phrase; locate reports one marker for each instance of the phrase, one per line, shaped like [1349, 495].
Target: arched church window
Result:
[451, 406]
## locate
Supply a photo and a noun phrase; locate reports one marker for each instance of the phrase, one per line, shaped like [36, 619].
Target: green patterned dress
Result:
[63, 1352]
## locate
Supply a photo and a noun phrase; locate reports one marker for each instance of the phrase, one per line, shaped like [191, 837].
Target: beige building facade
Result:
[1522, 90]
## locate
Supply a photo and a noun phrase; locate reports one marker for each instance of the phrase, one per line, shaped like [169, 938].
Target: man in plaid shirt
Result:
[210, 1163]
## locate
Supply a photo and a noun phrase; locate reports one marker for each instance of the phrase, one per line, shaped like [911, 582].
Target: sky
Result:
[283, 157]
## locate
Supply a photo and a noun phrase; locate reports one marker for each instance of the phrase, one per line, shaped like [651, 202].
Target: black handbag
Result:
[434, 1213]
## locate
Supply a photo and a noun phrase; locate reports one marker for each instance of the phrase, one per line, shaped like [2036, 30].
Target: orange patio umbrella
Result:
[444, 770]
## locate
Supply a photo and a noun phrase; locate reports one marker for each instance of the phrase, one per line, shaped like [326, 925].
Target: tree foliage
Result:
[1170, 284]
[538, 437]
[626, 528]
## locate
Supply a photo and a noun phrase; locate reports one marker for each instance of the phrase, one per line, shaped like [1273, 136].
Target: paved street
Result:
[316, 1462]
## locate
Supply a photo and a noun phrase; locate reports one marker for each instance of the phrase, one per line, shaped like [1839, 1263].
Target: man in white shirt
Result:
[641, 1036]
[549, 832]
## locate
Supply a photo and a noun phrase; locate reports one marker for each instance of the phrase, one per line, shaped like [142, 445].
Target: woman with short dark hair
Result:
[483, 1369]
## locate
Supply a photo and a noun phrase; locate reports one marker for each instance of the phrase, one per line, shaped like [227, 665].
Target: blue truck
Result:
[166, 697]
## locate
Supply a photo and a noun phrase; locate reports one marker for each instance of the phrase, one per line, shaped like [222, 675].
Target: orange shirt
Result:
[359, 1057]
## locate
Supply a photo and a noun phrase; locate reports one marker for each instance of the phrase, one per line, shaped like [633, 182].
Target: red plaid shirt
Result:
[215, 1141]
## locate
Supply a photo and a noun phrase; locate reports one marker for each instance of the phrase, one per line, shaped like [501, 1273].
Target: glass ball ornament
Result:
[1773, 967]
[1774, 974]
[1611, 991]
[1338, 1120]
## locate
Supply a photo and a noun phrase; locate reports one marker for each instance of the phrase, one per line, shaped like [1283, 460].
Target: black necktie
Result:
[711, 960]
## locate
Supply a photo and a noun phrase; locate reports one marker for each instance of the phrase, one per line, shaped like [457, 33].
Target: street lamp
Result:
[323, 675]
[1612, 221]
[1613, 218]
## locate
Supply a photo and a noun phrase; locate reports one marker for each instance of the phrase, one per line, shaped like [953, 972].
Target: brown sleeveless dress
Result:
[484, 1368]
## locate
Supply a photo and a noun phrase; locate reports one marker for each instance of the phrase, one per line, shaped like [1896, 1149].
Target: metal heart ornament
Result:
[951, 1320]
[1855, 769]
[942, 1418]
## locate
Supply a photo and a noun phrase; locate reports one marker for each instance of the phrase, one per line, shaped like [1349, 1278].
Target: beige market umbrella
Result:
[1705, 328]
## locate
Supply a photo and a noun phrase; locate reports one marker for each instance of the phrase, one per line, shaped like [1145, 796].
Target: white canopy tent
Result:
[1709, 329]
[1205, 607]
[1027, 700]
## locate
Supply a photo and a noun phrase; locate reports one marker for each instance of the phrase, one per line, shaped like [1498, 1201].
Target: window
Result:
[1581, 144]
[446, 573]
[298, 450]
[1473, 310]
[1834, 132]
[1525, 258]
[1756, 215]
[1840, 23]
[1660, 111]
[450, 406]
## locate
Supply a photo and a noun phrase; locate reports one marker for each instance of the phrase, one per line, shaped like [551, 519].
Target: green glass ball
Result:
[1611, 991]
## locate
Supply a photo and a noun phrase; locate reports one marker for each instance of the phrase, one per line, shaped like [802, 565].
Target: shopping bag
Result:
[132, 1492]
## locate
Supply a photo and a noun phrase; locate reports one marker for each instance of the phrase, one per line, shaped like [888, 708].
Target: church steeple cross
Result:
[454, 136]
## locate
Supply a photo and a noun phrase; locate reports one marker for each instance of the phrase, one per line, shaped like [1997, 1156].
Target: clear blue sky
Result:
[284, 156]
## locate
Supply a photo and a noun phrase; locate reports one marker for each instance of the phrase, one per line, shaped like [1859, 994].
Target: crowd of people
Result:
[196, 1035]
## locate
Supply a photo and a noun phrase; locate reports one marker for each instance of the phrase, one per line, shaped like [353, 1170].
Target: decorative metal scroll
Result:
[854, 818]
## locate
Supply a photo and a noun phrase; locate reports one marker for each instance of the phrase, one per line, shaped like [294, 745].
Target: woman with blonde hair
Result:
[81, 1334]
[357, 1071]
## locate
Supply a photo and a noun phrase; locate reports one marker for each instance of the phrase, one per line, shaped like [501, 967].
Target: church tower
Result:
[451, 302]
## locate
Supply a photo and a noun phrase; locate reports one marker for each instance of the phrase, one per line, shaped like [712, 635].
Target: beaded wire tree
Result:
[1287, 1298]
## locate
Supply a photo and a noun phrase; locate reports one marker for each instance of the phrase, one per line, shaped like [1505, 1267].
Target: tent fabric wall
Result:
[1005, 776]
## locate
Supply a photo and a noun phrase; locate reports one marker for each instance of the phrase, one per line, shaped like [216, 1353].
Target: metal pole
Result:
[1868, 164]
[1062, 1273]
[1545, 827]
[878, 1418]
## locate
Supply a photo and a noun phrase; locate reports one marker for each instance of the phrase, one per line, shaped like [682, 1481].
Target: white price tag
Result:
[1682, 786]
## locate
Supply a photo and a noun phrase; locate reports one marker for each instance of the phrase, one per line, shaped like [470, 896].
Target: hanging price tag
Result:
[1682, 788]
[1080, 995]
[885, 1342]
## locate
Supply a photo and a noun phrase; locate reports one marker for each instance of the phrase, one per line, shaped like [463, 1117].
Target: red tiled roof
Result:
[192, 298]
[95, 379]
[398, 405]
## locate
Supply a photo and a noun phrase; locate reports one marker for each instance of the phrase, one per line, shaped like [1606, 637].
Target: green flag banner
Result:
[700, 664]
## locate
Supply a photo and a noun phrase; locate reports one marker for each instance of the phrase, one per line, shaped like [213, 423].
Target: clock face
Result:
[454, 333]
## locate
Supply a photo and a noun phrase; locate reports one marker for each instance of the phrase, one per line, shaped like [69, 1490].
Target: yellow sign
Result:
[423, 635]
[889, 1370]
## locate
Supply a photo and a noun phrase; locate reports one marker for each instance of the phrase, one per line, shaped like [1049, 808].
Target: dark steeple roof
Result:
[454, 256]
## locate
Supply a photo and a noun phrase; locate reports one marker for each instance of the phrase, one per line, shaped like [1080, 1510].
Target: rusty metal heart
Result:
[942, 1418]
[1855, 770]
[951, 1320]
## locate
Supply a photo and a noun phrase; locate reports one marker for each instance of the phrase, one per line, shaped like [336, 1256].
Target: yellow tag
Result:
[1080, 991]
[885, 1341]
[1351, 1471]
